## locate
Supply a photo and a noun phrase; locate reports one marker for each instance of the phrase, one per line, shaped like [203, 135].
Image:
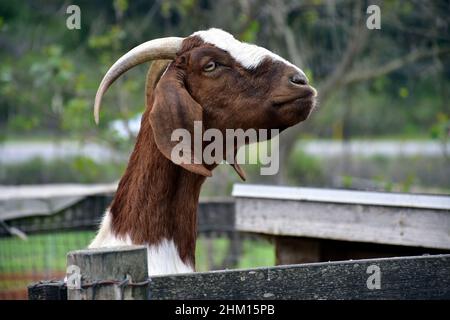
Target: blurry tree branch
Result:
[294, 46]
[355, 45]
[363, 74]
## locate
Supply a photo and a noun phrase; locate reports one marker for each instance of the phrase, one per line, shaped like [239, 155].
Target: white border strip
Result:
[342, 196]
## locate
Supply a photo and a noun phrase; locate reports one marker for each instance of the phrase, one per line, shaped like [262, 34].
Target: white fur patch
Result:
[248, 55]
[105, 237]
[162, 258]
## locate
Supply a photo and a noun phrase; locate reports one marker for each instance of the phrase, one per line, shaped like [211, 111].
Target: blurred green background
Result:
[387, 86]
[383, 120]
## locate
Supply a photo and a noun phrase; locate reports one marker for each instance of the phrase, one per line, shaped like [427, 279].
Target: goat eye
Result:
[210, 66]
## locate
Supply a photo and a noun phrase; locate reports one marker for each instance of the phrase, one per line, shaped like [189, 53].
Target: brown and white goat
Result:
[213, 78]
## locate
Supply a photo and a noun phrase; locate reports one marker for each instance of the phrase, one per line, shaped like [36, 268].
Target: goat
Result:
[210, 77]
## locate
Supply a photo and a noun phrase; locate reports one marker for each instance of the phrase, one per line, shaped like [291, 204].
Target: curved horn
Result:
[164, 48]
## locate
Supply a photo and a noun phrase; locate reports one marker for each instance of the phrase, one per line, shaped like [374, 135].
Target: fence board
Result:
[390, 199]
[424, 277]
[416, 226]
[214, 215]
[47, 290]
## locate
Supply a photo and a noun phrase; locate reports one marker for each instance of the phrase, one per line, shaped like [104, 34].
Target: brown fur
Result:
[157, 199]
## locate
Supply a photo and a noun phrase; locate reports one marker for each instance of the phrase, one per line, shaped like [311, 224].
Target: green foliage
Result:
[121, 6]
[408, 183]
[182, 7]
[385, 182]
[256, 253]
[441, 128]
[49, 74]
[77, 169]
[304, 169]
[112, 39]
[370, 111]
[403, 92]
[347, 182]
[39, 253]
[48, 82]
[251, 32]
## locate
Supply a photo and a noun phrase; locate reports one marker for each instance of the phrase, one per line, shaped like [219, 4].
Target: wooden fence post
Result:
[90, 270]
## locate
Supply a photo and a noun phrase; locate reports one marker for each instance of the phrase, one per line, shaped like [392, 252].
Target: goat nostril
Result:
[298, 79]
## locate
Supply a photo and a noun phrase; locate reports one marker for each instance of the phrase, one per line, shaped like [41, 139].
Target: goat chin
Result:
[162, 258]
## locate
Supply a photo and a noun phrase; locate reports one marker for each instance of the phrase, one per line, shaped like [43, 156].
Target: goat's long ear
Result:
[154, 73]
[174, 108]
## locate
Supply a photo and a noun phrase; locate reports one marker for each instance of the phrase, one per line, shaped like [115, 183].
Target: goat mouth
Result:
[302, 102]
[296, 110]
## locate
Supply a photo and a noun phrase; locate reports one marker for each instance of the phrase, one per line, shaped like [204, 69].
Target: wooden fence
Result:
[121, 273]
[312, 225]
[308, 225]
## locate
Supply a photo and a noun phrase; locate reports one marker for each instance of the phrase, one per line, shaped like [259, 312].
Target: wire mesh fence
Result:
[39, 257]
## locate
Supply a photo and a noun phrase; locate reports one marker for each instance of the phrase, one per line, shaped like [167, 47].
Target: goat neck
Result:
[155, 205]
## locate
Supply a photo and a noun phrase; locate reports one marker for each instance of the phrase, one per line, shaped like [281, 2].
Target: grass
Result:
[21, 261]
[256, 253]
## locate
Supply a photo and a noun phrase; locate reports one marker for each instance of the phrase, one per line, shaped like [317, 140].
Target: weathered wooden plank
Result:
[114, 264]
[50, 191]
[426, 277]
[387, 199]
[214, 215]
[45, 200]
[47, 290]
[364, 223]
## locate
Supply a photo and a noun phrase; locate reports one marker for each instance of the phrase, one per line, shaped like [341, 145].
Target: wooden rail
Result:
[121, 274]
[323, 224]
[308, 225]
[37, 209]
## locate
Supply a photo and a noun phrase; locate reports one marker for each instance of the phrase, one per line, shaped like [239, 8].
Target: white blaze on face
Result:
[248, 55]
